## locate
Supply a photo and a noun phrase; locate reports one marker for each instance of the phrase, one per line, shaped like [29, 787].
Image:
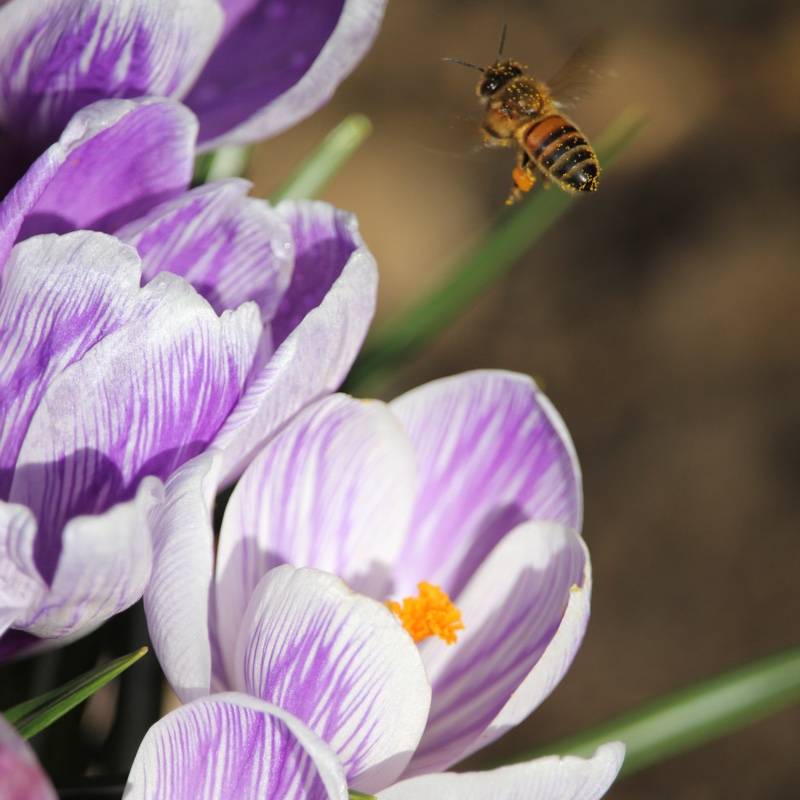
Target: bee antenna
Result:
[502, 41]
[464, 63]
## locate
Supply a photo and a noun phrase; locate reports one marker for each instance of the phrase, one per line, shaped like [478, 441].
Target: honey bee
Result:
[521, 111]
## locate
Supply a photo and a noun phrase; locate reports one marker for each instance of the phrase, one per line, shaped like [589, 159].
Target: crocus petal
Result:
[333, 490]
[493, 453]
[178, 595]
[114, 161]
[550, 778]
[57, 300]
[21, 586]
[340, 662]
[277, 63]
[104, 567]
[21, 777]
[229, 247]
[320, 327]
[234, 746]
[171, 374]
[524, 617]
[58, 56]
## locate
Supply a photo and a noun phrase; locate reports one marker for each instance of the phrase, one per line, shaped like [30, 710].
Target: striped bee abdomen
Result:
[561, 151]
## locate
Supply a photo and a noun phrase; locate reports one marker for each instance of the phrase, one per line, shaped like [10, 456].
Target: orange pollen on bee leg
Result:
[430, 614]
[522, 179]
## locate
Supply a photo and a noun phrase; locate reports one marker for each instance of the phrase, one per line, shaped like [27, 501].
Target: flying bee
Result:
[521, 111]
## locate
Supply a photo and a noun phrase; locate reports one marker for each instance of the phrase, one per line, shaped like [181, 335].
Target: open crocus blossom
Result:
[247, 68]
[467, 489]
[209, 318]
[358, 690]
[123, 167]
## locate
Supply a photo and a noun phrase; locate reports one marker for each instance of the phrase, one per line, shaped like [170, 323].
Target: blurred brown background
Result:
[660, 315]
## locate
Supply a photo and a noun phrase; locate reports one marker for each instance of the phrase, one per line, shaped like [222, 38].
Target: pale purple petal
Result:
[278, 62]
[231, 248]
[114, 161]
[320, 327]
[144, 399]
[21, 586]
[58, 298]
[233, 746]
[177, 599]
[21, 777]
[104, 567]
[524, 618]
[493, 453]
[58, 56]
[555, 661]
[341, 663]
[550, 778]
[333, 490]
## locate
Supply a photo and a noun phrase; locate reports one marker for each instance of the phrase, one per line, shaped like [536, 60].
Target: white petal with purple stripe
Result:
[115, 160]
[334, 490]
[550, 778]
[492, 453]
[21, 585]
[104, 565]
[340, 662]
[318, 329]
[513, 609]
[144, 399]
[178, 596]
[57, 56]
[234, 746]
[231, 248]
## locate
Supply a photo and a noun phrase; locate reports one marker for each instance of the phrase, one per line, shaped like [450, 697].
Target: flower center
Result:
[430, 614]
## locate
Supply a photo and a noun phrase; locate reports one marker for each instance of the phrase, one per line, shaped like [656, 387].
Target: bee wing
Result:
[587, 65]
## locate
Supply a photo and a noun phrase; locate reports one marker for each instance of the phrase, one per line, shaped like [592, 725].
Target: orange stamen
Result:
[430, 614]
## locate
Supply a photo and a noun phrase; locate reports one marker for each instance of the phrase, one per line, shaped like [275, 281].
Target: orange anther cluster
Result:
[430, 614]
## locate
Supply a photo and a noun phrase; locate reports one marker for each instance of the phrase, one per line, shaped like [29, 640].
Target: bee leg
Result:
[524, 177]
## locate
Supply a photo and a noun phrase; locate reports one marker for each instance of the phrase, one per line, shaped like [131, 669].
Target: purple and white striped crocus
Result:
[470, 484]
[247, 68]
[209, 318]
[360, 697]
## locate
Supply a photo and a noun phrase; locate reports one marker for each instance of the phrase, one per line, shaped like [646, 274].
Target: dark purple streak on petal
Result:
[230, 247]
[311, 359]
[117, 160]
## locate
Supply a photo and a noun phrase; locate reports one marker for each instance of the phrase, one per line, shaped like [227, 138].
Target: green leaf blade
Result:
[326, 160]
[35, 715]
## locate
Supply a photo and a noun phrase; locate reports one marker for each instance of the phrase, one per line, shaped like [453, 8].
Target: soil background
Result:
[660, 315]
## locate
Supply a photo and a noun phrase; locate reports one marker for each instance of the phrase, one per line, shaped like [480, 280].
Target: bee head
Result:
[497, 76]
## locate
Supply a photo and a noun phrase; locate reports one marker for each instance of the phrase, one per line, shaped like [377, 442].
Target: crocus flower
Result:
[360, 697]
[21, 776]
[209, 318]
[123, 167]
[247, 68]
[468, 483]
